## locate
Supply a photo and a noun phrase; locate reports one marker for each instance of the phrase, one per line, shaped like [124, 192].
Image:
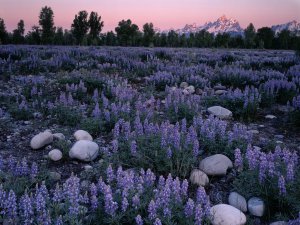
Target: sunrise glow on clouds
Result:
[164, 14]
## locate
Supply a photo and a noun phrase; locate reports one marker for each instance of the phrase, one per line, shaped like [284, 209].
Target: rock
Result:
[215, 164]
[59, 136]
[190, 89]
[82, 135]
[237, 201]
[37, 115]
[223, 214]
[220, 92]
[253, 131]
[84, 150]
[199, 178]
[279, 142]
[185, 92]
[261, 126]
[220, 112]
[40, 140]
[88, 167]
[55, 155]
[219, 87]
[199, 91]
[270, 117]
[279, 136]
[184, 85]
[279, 223]
[55, 176]
[256, 206]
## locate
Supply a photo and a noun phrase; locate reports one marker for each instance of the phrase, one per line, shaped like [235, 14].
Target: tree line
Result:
[86, 30]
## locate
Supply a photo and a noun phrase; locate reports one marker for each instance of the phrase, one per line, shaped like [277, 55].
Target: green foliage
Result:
[67, 115]
[20, 114]
[64, 146]
[247, 184]
[295, 118]
[127, 33]
[80, 26]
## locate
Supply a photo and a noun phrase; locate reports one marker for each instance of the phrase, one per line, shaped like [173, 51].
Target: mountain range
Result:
[232, 26]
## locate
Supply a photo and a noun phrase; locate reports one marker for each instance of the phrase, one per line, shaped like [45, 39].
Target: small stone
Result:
[253, 131]
[220, 112]
[216, 164]
[223, 214]
[278, 136]
[237, 201]
[184, 85]
[55, 155]
[219, 87]
[270, 117]
[220, 92]
[190, 89]
[199, 91]
[59, 136]
[88, 167]
[279, 223]
[40, 140]
[82, 135]
[279, 142]
[261, 126]
[256, 206]
[37, 115]
[26, 122]
[84, 150]
[185, 92]
[199, 178]
[55, 176]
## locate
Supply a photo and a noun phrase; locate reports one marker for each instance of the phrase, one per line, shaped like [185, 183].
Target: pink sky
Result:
[164, 14]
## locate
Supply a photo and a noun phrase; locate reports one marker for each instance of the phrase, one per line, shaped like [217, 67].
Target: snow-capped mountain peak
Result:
[221, 25]
[292, 26]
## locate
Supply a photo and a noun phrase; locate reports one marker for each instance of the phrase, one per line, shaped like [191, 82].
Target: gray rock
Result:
[219, 87]
[199, 178]
[223, 214]
[238, 201]
[190, 89]
[220, 92]
[84, 150]
[220, 112]
[40, 140]
[256, 206]
[55, 155]
[270, 117]
[82, 135]
[184, 85]
[55, 176]
[279, 223]
[215, 164]
[59, 136]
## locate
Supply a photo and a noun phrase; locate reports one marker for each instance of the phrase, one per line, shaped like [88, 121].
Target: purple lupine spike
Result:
[124, 204]
[133, 148]
[110, 174]
[139, 220]
[24, 167]
[281, 185]
[57, 194]
[238, 162]
[110, 205]
[84, 198]
[115, 146]
[71, 190]
[157, 222]
[93, 189]
[149, 178]
[263, 166]
[59, 221]
[176, 189]
[184, 187]
[195, 148]
[94, 202]
[33, 170]
[96, 113]
[11, 205]
[136, 201]
[152, 210]
[189, 208]
[290, 173]
[26, 209]
[169, 152]
[198, 214]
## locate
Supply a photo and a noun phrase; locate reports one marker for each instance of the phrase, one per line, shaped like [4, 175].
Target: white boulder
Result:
[223, 214]
[55, 155]
[84, 150]
[220, 112]
[215, 164]
[42, 139]
[198, 177]
[82, 135]
[237, 201]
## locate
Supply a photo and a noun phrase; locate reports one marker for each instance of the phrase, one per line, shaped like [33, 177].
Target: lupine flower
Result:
[71, 190]
[238, 162]
[139, 220]
[157, 222]
[110, 174]
[94, 202]
[26, 209]
[124, 204]
[11, 205]
[198, 214]
[135, 201]
[281, 185]
[58, 194]
[169, 152]
[152, 210]
[189, 208]
[33, 170]
[59, 221]
[184, 187]
[133, 148]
